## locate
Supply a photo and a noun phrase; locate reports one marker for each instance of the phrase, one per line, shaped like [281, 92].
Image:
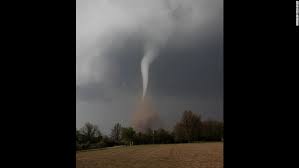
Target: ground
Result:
[195, 155]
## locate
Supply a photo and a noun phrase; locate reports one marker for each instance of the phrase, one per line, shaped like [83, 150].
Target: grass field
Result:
[197, 155]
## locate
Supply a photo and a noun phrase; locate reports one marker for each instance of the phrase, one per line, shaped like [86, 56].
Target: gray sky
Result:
[186, 75]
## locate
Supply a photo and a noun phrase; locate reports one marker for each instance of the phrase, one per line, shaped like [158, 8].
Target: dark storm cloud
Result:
[186, 75]
[187, 67]
[194, 69]
[91, 92]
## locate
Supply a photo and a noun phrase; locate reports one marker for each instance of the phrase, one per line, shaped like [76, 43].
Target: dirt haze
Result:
[145, 116]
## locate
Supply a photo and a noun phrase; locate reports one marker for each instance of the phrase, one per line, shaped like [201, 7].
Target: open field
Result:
[196, 155]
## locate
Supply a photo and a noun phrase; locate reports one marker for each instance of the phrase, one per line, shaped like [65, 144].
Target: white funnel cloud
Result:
[149, 56]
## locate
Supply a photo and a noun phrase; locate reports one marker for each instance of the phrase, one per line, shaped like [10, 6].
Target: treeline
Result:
[189, 129]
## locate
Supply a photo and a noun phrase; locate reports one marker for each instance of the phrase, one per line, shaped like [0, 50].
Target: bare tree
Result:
[90, 133]
[127, 135]
[116, 133]
[188, 129]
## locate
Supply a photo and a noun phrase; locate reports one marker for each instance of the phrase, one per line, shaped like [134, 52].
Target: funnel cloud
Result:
[149, 56]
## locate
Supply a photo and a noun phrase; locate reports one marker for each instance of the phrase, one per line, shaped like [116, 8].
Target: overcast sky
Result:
[186, 75]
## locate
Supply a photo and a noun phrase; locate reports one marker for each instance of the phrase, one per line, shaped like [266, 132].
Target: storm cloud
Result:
[187, 74]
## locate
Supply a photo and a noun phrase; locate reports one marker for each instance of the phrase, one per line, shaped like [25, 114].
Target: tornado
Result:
[149, 56]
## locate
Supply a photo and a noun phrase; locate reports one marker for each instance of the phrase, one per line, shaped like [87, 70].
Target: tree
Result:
[116, 133]
[108, 142]
[162, 136]
[179, 133]
[90, 133]
[78, 140]
[149, 135]
[188, 129]
[212, 130]
[78, 136]
[127, 135]
[144, 138]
